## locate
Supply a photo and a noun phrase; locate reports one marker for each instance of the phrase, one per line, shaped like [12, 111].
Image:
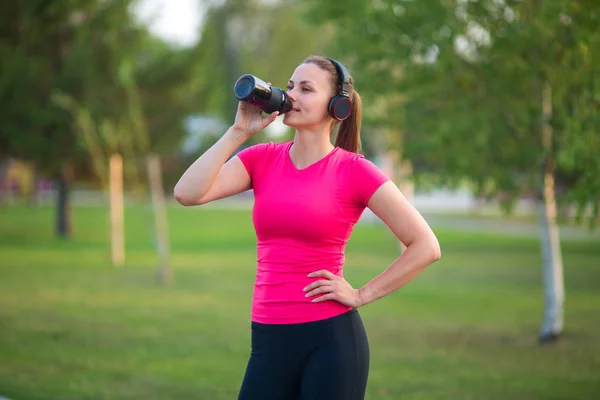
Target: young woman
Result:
[308, 340]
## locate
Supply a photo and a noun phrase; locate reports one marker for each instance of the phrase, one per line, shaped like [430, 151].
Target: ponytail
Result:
[348, 136]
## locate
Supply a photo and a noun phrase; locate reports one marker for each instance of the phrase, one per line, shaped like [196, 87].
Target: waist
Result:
[298, 258]
[279, 297]
[307, 328]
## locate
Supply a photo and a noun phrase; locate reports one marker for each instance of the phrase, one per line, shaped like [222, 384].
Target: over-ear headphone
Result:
[340, 105]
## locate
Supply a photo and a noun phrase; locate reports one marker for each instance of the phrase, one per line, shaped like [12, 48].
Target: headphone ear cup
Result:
[340, 107]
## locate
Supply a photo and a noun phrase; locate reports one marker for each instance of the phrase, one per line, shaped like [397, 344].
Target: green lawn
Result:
[73, 327]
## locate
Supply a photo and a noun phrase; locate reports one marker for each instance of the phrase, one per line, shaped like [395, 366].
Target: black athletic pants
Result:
[321, 360]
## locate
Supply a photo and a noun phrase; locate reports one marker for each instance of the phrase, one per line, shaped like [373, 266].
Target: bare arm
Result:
[211, 176]
[422, 246]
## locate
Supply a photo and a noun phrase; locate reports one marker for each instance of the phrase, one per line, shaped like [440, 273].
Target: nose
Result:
[291, 95]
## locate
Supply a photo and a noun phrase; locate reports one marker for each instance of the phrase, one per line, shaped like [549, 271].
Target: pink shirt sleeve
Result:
[247, 156]
[365, 179]
[250, 157]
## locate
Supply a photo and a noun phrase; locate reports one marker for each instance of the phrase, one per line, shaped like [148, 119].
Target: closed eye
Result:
[304, 89]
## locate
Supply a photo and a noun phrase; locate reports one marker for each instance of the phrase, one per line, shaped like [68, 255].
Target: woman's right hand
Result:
[249, 119]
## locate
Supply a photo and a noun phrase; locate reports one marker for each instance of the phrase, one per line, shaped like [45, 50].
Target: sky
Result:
[176, 21]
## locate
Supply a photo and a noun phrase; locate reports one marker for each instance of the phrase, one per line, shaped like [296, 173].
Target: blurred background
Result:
[485, 113]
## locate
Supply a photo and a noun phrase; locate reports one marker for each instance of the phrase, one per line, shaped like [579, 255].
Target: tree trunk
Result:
[117, 230]
[552, 268]
[32, 198]
[405, 181]
[554, 291]
[63, 206]
[164, 273]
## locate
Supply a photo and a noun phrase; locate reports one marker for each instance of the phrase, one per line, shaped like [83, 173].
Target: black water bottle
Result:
[255, 91]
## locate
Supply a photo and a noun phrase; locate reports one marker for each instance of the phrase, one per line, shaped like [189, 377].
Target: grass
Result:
[74, 327]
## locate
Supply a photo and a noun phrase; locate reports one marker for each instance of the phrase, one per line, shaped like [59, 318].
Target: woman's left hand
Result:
[334, 287]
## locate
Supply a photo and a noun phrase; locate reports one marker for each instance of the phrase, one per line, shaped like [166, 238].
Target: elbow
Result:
[429, 249]
[182, 198]
[435, 250]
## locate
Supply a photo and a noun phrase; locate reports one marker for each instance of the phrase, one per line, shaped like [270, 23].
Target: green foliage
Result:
[463, 81]
[106, 62]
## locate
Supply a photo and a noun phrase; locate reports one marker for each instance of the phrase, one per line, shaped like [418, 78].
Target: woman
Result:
[308, 341]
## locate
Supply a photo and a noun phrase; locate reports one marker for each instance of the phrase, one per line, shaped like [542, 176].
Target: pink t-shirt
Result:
[303, 220]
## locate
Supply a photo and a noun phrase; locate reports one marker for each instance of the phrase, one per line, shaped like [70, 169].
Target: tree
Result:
[79, 49]
[501, 93]
[33, 48]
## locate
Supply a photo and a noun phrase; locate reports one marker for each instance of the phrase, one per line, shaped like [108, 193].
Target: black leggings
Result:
[324, 360]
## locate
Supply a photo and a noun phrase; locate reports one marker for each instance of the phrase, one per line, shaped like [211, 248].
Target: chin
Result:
[290, 121]
[297, 121]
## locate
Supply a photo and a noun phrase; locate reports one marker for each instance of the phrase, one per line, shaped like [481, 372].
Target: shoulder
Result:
[362, 176]
[348, 155]
[257, 157]
[354, 161]
[261, 151]
[264, 148]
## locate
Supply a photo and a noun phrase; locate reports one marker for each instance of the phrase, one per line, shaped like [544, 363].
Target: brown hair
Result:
[348, 136]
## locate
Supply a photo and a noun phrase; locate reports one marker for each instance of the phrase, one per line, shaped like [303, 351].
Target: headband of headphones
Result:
[343, 77]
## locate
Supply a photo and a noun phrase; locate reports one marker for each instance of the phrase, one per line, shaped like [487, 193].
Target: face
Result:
[310, 90]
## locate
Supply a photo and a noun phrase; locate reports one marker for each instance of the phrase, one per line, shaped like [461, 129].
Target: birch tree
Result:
[501, 93]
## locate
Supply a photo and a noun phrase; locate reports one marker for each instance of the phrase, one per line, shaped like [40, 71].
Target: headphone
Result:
[340, 105]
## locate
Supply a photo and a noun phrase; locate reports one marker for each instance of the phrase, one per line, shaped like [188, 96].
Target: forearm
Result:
[404, 269]
[199, 177]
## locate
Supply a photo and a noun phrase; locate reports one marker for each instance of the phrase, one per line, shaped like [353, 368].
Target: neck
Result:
[310, 147]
